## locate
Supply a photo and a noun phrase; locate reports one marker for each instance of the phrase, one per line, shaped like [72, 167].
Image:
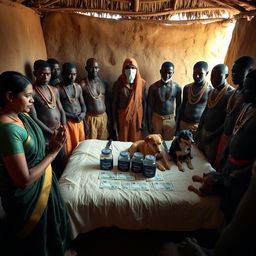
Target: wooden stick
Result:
[140, 14]
[136, 5]
[50, 3]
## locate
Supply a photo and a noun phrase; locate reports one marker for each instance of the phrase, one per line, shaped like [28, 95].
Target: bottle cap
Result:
[138, 155]
[150, 158]
[106, 151]
[124, 153]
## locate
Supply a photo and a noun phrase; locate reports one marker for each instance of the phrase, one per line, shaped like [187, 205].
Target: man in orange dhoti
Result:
[72, 101]
[128, 103]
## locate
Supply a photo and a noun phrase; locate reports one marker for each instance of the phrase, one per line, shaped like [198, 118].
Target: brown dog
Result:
[151, 145]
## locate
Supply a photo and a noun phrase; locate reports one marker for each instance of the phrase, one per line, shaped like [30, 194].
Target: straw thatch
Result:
[153, 10]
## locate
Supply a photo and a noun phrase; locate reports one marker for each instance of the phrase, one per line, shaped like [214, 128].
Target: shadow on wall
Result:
[28, 71]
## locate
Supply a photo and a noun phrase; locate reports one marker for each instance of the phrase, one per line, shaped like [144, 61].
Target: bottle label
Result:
[123, 166]
[149, 171]
[106, 164]
[137, 167]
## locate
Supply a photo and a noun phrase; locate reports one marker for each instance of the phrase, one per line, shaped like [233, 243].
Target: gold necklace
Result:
[232, 103]
[95, 97]
[72, 100]
[213, 102]
[195, 98]
[14, 119]
[168, 97]
[50, 103]
[243, 117]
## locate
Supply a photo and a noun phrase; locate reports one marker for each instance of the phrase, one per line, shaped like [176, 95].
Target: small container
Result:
[124, 161]
[137, 162]
[149, 166]
[106, 159]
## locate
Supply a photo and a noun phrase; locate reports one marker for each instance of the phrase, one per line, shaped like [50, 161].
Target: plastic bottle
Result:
[106, 159]
[124, 161]
[149, 166]
[137, 162]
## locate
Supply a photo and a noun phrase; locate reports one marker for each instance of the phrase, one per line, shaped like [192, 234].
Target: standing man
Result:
[72, 101]
[241, 149]
[47, 110]
[96, 99]
[55, 72]
[195, 97]
[129, 103]
[211, 123]
[240, 69]
[161, 97]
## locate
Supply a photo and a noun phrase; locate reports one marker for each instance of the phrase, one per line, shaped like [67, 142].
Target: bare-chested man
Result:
[241, 149]
[161, 97]
[194, 100]
[129, 103]
[240, 69]
[55, 72]
[211, 124]
[72, 100]
[47, 110]
[96, 99]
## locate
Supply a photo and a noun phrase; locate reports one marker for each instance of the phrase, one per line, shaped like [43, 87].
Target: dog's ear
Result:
[148, 138]
[160, 136]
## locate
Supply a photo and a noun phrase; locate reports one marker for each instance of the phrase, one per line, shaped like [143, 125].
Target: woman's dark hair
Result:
[12, 81]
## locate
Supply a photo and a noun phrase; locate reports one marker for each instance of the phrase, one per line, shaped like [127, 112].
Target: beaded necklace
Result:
[213, 102]
[243, 117]
[50, 103]
[195, 98]
[95, 97]
[169, 95]
[72, 100]
[232, 103]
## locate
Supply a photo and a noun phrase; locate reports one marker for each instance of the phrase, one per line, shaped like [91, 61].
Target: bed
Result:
[96, 198]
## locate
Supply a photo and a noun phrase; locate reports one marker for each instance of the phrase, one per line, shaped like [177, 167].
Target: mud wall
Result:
[243, 41]
[75, 38]
[22, 40]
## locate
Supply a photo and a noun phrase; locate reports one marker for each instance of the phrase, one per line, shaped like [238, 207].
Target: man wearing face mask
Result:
[128, 103]
[96, 99]
[161, 97]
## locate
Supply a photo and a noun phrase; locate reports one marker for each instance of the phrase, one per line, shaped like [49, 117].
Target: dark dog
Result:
[180, 149]
[212, 184]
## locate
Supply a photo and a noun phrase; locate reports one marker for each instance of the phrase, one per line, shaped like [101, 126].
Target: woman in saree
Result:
[29, 190]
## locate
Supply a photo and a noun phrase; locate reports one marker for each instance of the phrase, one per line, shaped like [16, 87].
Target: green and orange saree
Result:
[36, 214]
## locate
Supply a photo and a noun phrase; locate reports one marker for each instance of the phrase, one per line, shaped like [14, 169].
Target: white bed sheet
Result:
[90, 207]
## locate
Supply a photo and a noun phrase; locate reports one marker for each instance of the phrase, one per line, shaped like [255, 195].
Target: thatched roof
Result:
[148, 9]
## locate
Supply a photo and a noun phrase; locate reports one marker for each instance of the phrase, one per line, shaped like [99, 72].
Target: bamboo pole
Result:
[136, 5]
[140, 14]
[50, 3]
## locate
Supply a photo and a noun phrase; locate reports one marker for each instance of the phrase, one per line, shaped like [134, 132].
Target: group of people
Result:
[41, 124]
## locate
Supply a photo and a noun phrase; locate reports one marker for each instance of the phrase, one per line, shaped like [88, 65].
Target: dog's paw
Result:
[180, 167]
[191, 167]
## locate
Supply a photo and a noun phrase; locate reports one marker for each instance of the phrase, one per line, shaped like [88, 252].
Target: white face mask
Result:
[130, 74]
[166, 81]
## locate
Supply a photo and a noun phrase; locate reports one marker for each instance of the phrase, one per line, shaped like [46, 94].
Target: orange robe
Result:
[130, 118]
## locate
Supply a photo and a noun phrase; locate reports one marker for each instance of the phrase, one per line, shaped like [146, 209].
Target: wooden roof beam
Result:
[140, 14]
[247, 4]
[221, 3]
[234, 4]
